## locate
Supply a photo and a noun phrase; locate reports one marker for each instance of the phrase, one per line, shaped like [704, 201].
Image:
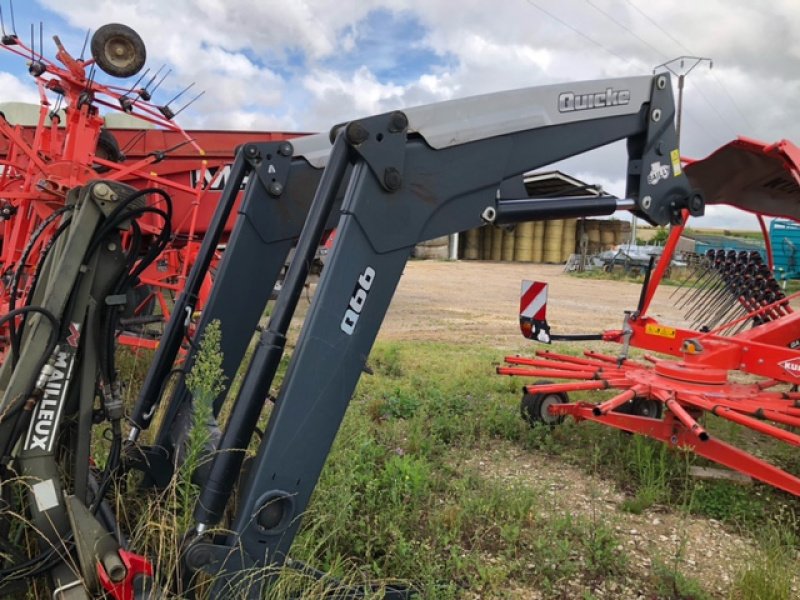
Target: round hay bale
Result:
[472, 245]
[486, 242]
[568, 239]
[553, 236]
[523, 243]
[508, 246]
[537, 249]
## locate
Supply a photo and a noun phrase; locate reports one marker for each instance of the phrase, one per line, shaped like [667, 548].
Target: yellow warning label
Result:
[660, 330]
[675, 156]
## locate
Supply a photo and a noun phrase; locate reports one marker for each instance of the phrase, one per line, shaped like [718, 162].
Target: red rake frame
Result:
[39, 164]
[698, 380]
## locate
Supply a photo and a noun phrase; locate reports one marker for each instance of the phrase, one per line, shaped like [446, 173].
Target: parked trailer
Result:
[785, 236]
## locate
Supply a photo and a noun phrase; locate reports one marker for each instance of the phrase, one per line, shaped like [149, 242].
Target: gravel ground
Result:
[479, 301]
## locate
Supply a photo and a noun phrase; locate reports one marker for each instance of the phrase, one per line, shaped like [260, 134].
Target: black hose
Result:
[46, 560]
[23, 259]
[16, 340]
[53, 337]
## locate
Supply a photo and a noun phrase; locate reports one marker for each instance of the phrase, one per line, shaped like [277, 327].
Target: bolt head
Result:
[101, 190]
[656, 115]
[696, 205]
[275, 189]
[250, 151]
[356, 133]
[398, 121]
[392, 179]
[285, 149]
[198, 556]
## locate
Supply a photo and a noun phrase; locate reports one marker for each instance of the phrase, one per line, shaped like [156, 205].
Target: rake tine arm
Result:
[532, 362]
[760, 426]
[779, 417]
[547, 354]
[557, 388]
[617, 401]
[605, 358]
[556, 373]
[686, 419]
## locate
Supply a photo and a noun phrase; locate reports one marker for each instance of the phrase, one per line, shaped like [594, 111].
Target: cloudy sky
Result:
[306, 64]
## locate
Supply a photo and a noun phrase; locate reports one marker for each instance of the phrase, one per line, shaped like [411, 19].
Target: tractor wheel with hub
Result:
[534, 408]
[118, 50]
[642, 407]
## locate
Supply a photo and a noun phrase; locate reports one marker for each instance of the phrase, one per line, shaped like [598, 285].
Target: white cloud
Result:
[281, 64]
[14, 90]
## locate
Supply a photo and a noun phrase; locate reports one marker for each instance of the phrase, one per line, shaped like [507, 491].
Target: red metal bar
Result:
[578, 360]
[760, 426]
[767, 242]
[558, 374]
[532, 362]
[605, 358]
[686, 419]
[664, 261]
[557, 388]
[615, 402]
[779, 417]
[676, 436]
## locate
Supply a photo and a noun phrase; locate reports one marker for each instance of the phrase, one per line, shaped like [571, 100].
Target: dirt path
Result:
[479, 301]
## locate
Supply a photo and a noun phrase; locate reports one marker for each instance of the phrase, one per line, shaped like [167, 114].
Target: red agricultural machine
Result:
[737, 355]
[63, 148]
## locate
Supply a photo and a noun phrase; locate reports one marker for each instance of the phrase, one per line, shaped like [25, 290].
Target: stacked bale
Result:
[593, 233]
[486, 242]
[472, 243]
[523, 242]
[497, 244]
[507, 253]
[537, 250]
[617, 227]
[436, 248]
[553, 234]
[606, 235]
[568, 239]
[625, 232]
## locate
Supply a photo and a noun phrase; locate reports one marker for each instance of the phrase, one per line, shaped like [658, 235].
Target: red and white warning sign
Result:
[533, 300]
[532, 311]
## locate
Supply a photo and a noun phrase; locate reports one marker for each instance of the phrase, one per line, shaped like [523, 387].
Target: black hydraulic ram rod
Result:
[565, 207]
[250, 400]
[175, 329]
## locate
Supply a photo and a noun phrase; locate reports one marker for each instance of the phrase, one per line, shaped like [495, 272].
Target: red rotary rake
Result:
[742, 323]
[41, 163]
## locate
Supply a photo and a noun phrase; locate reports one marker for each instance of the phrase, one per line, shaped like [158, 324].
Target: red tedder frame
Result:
[698, 370]
[66, 148]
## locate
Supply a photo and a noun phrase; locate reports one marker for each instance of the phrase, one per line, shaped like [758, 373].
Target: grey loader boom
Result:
[386, 182]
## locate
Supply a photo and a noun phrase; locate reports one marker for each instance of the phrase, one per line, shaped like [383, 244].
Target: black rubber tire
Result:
[642, 407]
[118, 50]
[108, 149]
[533, 407]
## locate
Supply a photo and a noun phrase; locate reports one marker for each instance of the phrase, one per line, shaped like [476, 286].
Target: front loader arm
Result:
[416, 175]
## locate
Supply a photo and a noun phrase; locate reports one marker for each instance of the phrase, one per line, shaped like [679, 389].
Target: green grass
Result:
[403, 495]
